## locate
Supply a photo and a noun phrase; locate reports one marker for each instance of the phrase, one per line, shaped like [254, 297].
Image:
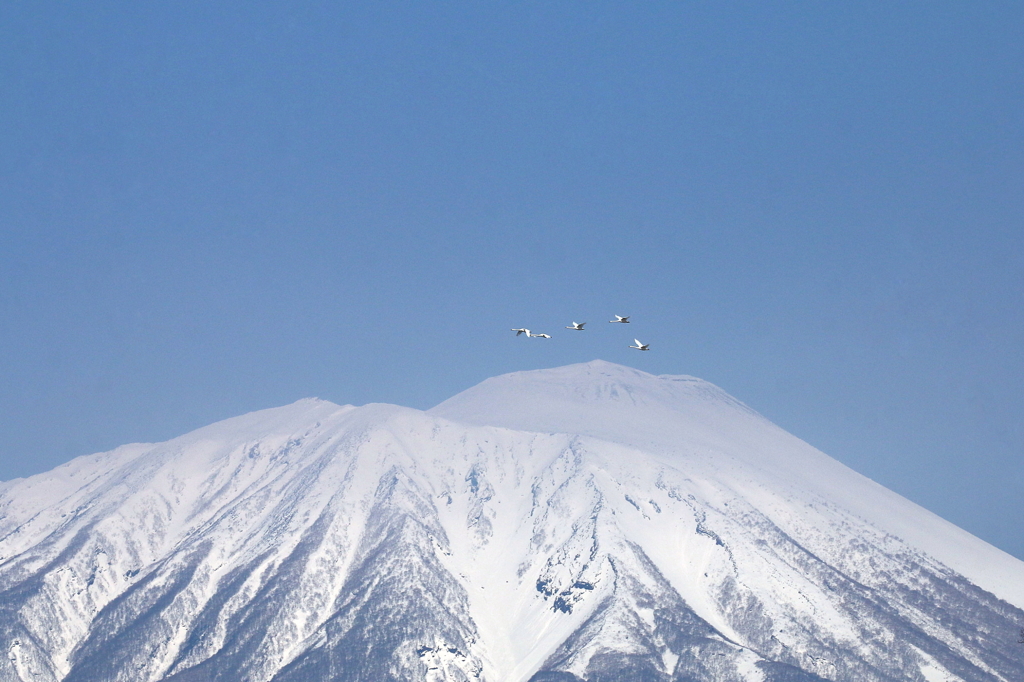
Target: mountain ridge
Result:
[651, 541]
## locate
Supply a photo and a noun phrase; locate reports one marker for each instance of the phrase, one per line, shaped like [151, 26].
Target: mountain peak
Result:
[595, 371]
[596, 398]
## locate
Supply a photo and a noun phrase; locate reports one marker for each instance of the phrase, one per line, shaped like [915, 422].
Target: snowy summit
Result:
[590, 522]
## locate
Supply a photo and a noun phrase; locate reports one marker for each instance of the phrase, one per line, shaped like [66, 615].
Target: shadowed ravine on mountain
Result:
[586, 523]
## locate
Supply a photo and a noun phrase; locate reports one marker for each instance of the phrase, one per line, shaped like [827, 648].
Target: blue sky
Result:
[207, 209]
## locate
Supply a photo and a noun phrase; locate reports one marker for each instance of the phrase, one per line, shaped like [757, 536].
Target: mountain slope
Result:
[689, 422]
[589, 522]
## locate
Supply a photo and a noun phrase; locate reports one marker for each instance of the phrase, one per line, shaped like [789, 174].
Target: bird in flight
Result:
[620, 318]
[641, 346]
[522, 331]
[578, 326]
[541, 336]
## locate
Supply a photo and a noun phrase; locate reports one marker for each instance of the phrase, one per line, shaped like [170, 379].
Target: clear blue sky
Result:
[211, 208]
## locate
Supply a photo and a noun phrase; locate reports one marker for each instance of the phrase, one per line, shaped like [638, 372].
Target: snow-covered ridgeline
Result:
[584, 521]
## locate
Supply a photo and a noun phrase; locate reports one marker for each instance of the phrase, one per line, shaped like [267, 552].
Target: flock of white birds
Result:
[578, 326]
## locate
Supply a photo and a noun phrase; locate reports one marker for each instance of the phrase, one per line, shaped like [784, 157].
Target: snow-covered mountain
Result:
[589, 522]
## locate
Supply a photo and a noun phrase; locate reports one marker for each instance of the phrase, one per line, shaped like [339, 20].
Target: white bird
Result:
[640, 346]
[578, 326]
[620, 318]
[541, 336]
[522, 331]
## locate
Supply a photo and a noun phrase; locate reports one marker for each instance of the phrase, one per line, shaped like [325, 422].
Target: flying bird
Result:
[522, 331]
[578, 326]
[640, 346]
[541, 336]
[620, 318]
